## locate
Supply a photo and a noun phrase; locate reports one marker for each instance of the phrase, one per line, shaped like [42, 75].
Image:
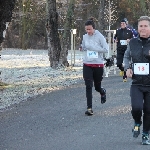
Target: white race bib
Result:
[92, 54]
[123, 42]
[141, 68]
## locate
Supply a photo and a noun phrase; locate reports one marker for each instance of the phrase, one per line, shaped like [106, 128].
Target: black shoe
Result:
[89, 112]
[124, 78]
[103, 96]
[145, 139]
[136, 131]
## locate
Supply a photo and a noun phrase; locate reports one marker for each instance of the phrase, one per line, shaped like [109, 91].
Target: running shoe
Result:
[136, 130]
[125, 80]
[103, 96]
[145, 139]
[89, 112]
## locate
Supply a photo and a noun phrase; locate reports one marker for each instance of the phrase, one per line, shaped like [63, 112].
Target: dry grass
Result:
[26, 74]
[3, 85]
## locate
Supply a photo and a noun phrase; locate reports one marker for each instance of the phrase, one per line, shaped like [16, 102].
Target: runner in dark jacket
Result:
[137, 64]
[122, 37]
[135, 33]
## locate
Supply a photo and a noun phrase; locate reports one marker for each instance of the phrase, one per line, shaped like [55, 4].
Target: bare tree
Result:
[54, 47]
[66, 35]
[101, 23]
[6, 8]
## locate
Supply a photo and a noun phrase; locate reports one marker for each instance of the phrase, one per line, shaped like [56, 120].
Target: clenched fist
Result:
[129, 73]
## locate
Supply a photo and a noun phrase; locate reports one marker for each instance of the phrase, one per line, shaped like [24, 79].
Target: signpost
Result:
[73, 33]
[111, 42]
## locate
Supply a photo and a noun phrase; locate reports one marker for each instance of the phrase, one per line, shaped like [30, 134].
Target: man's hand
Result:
[129, 73]
[80, 48]
[116, 40]
[128, 40]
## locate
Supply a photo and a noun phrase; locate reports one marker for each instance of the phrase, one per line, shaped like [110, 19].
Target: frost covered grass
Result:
[28, 74]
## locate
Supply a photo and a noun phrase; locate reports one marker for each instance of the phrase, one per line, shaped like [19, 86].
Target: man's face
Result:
[123, 25]
[144, 28]
[89, 29]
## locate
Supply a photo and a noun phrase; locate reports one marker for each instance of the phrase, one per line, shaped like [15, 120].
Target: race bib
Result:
[123, 42]
[92, 54]
[141, 68]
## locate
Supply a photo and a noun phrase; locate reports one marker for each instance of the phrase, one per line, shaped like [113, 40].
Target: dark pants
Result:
[140, 101]
[90, 75]
[120, 55]
[120, 60]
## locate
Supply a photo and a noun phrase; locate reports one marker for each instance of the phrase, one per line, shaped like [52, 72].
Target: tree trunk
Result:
[66, 39]
[101, 23]
[54, 47]
[6, 8]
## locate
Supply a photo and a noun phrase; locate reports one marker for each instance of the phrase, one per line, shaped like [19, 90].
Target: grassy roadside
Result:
[4, 85]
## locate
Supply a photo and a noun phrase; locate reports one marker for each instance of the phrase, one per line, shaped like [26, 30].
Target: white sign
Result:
[92, 54]
[123, 42]
[141, 68]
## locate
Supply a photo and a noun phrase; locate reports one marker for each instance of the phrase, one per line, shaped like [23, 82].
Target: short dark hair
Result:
[144, 18]
[90, 21]
[123, 20]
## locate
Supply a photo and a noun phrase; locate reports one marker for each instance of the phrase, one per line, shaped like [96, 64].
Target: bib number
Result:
[123, 42]
[141, 68]
[92, 54]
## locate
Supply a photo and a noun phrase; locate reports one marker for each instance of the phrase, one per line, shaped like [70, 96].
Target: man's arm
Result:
[131, 35]
[115, 37]
[83, 44]
[127, 62]
[127, 58]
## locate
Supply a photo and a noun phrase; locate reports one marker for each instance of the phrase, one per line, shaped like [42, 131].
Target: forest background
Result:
[27, 27]
[32, 26]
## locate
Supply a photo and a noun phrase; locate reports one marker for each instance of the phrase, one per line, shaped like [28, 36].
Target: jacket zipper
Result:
[142, 61]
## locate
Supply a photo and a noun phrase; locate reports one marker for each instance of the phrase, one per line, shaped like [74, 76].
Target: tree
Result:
[101, 23]
[139, 7]
[54, 47]
[27, 29]
[65, 42]
[132, 10]
[6, 8]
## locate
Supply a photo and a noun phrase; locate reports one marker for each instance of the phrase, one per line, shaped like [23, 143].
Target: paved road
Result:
[56, 121]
